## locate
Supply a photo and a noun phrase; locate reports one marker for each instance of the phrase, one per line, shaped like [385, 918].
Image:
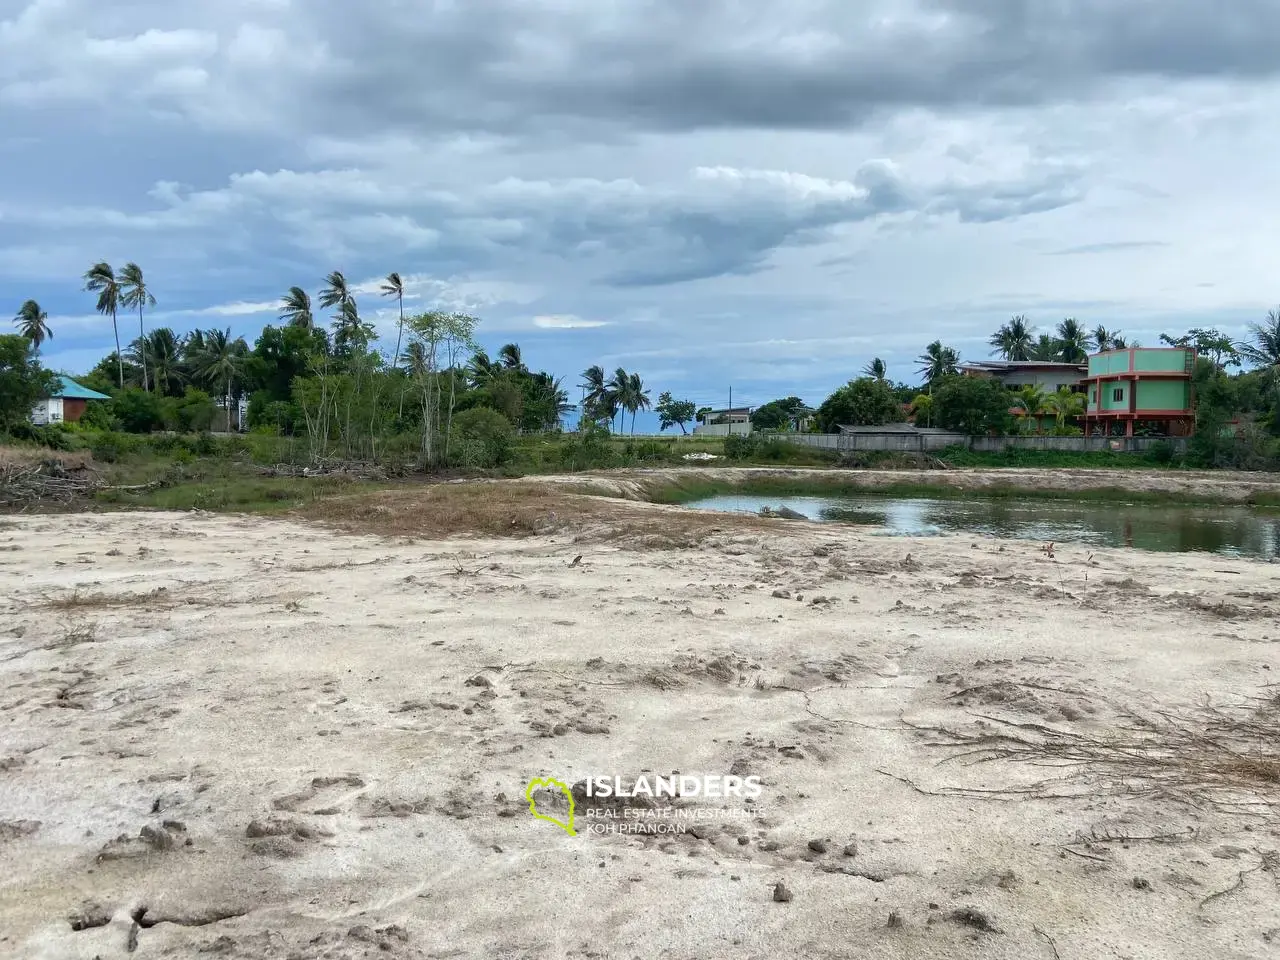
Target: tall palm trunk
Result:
[142, 346]
[119, 356]
[396, 364]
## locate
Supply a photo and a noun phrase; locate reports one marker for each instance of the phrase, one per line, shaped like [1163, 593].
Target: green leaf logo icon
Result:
[548, 783]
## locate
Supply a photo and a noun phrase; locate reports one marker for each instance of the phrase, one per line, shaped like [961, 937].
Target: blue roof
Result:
[69, 389]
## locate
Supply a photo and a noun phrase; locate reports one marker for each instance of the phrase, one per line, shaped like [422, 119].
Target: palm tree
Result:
[221, 361]
[33, 323]
[161, 346]
[1045, 348]
[1013, 340]
[619, 394]
[393, 286]
[638, 397]
[1064, 404]
[509, 357]
[336, 293]
[937, 362]
[876, 369]
[1264, 350]
[415, 358]
[1073, 342]
[1031, 401]
[134, 293]
[481, 370]
[295, 309]
[1103, 339]
[101, 279]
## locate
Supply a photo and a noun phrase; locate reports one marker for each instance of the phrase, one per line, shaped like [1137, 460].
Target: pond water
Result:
[1233, 531]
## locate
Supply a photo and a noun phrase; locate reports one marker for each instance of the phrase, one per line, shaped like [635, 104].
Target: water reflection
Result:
[1234, 531]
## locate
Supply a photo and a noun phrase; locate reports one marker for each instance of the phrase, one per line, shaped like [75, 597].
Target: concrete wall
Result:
[1164, 395]
[722, 429]
[926, 443]
[47, 411]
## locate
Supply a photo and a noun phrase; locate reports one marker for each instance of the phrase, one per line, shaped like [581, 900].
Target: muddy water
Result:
[1234, 531]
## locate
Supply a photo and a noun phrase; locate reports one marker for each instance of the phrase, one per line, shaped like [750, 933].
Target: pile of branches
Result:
[1225, 758]
[325, 467]
[25, 484]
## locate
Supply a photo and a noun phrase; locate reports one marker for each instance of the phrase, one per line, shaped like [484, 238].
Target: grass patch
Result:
[514, 509]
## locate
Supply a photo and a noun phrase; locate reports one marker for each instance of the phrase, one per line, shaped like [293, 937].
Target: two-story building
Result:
[1143, 390]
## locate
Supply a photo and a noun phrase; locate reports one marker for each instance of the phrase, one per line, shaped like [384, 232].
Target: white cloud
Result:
[566, 321]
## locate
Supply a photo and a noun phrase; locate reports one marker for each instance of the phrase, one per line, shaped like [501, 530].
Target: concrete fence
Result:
[933, 442]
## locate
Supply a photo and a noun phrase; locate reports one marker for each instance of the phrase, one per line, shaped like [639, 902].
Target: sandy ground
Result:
[263, 739]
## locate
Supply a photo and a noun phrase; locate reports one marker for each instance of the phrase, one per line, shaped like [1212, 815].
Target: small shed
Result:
[66, 404]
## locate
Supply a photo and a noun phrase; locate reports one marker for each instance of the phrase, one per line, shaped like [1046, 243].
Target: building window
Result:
[1117, 394]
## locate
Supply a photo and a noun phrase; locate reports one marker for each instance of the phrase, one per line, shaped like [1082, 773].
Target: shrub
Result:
[136, 410]
[1160, 453]
[741, 446]
[481, 437]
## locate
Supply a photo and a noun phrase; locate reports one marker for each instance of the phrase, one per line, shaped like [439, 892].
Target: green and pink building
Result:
[1140, 391]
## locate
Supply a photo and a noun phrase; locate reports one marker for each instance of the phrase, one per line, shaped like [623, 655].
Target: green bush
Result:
[590, 450]
[137, 410]
[1160, 453]
[480, 437]
[112, 447]
[741, 446]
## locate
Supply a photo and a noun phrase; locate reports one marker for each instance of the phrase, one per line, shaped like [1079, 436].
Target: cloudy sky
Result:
[718, 193]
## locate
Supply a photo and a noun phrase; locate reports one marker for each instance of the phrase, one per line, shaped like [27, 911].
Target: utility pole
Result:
[729, 413]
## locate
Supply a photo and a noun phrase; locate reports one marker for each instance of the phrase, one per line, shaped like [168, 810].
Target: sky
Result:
[727, 194]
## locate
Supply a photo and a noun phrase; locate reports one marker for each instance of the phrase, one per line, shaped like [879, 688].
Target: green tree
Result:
[598, 401]
[33, 323]
[1263, 349]
[393, 286]
[1013, 340]
[861, 402]
[23, 380]
[101, 279]
[134, 293]
[1045, 349]
[222, 361]
[482, 437]
[1103, 339]
[638, 397]
[510, 359]
[779, 414]
[937, 362]
[1073, 341]
[1210, 343]
[972, 405]
[295, 309]
[922, 409]
[1065, 405]
[876, 370]
[1030, 402]
[674, 413]
[162, 348]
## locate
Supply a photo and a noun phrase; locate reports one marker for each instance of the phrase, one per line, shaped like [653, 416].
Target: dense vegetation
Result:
[439, 401]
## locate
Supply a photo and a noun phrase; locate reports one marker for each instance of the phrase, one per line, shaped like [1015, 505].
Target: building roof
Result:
[68, 389]
[1009, 366]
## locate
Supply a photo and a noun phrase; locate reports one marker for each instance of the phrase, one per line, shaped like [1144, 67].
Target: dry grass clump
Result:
[87, 600]
[1225, 757]
[30, 456]
[518, 509]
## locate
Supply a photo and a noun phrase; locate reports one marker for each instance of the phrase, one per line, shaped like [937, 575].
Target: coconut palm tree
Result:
[1013, 341]
[876, 369]
[937, 362]
[596, 395]
[134, 293]
[33, 323]
[415, 358]
[510, 358]
[1045, 348]
[1103, 339]
[101, 279]
[295, 309]
[335, 291]
[162, 348]
[619, 394]
[1064, 404]
[393, 286]
[1264, 348]
[481, 370]
[1030, 401]
[638, 396]
[221, 361]
[1073, 342]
